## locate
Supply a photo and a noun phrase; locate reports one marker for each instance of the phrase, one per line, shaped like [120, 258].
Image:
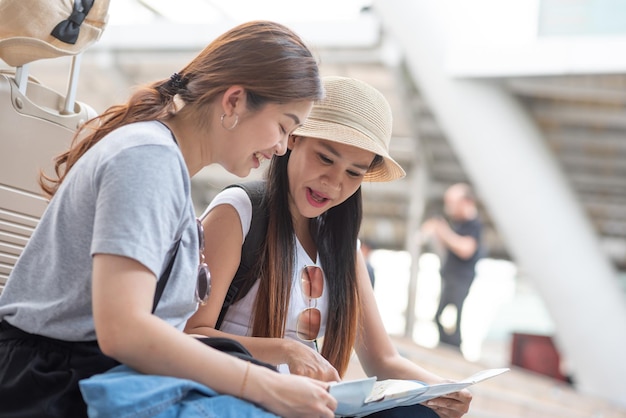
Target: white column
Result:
[520, 183]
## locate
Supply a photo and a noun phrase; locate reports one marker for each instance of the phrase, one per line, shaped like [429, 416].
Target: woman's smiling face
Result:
[323, 174]
[262, 134]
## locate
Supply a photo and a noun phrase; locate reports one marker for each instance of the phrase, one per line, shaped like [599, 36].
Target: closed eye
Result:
[355, 174]
[352, 173]
[325, 159]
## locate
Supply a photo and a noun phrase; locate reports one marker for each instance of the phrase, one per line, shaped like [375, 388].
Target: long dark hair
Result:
[269, 60]
[335, 234]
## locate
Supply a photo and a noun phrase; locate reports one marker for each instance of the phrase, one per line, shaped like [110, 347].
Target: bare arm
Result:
[123, 290]
[223, 238]
[376, 351]
[461, 245]
[379, 357]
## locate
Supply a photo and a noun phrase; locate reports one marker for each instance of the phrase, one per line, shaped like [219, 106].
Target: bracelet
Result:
[245, 379]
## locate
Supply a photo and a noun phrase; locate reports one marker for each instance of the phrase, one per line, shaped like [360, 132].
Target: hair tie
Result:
[177, 82]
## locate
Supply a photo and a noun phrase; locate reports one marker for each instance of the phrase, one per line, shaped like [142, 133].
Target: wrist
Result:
[242, 391]
[258, 382]
[286, 348]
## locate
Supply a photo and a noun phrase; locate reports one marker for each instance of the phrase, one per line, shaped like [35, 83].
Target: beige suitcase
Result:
[36, 124]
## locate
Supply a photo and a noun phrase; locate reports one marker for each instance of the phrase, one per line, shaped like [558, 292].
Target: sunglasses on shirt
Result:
[203, 284]
[309, 320]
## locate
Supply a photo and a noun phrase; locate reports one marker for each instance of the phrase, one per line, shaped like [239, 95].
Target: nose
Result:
[281, 147]
[332, 178]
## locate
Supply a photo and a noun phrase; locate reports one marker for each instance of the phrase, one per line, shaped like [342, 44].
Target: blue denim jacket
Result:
[123, 392]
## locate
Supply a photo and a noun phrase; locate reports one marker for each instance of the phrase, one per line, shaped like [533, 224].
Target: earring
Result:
[230, 128]
[178, 103]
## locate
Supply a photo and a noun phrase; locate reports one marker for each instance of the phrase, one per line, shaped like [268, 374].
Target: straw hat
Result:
[26, 28]
[354, 113]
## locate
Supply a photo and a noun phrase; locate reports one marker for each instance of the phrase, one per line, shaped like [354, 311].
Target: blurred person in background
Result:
[460, 238]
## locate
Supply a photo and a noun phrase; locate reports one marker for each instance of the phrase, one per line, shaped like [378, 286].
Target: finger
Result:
[463, 395]
[454, 396]
[448, 407]
[332, 403]
[329, 413]
[324, 385]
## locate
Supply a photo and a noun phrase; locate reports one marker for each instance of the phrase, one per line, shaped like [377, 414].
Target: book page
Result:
[393, 388]
[357, 398]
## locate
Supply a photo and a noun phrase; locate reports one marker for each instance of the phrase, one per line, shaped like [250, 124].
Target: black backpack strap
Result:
[234, 348]
[164, 277]
[251, 250]
[166, 273]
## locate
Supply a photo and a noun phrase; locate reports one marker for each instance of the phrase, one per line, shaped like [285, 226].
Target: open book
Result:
[357, 398]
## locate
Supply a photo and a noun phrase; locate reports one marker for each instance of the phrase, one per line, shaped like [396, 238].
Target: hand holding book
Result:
[357, 398]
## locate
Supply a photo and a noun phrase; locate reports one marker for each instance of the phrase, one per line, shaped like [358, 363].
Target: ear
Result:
[233, 99]
[291, 142]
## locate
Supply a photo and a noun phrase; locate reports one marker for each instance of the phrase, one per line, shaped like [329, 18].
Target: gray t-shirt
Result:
[129, 195]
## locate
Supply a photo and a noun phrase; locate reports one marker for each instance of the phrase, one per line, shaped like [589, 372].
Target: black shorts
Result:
[413, 411]
[39, 375]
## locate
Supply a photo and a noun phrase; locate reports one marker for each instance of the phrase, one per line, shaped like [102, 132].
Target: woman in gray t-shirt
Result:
[121, 212]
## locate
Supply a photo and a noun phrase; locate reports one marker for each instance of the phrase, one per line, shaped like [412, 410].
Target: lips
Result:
[316, 199]
[261, 157]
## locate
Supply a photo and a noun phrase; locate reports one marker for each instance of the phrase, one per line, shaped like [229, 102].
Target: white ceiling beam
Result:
[164, 35]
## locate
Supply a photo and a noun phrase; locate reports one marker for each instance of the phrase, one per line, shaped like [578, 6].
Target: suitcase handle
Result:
[44, 103]
[22, 78]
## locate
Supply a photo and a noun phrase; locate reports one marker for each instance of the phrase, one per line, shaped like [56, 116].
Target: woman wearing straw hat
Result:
[309, 280]
[121, 216]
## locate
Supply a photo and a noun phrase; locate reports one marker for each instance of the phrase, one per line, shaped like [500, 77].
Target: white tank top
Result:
[238, 319]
